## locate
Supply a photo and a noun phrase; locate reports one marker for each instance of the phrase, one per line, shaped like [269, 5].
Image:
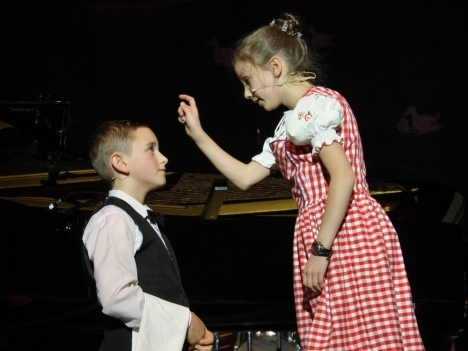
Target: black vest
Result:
[158, 275]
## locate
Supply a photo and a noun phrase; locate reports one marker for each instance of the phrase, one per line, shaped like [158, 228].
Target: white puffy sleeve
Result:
[266, 157]
[315, 120]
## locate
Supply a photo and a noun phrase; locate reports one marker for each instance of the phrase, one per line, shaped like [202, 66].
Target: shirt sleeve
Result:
[109, 240]
[163, 327]
[315, 121]
[266, 157]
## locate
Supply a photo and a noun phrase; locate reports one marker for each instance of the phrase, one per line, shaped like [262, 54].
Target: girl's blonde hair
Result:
[282, 37]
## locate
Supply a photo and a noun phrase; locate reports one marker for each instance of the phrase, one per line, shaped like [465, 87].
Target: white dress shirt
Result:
[112, 238]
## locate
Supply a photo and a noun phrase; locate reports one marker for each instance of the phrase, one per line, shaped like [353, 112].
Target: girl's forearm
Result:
[240, 174]
[339, 195]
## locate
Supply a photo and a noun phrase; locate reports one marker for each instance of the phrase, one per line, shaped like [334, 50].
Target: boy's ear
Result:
[118, 162]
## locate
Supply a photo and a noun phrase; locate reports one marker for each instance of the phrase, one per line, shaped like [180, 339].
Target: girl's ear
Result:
[119, 163]
[276, 66]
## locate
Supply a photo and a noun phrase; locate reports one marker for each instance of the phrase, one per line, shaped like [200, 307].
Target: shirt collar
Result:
[136, 205]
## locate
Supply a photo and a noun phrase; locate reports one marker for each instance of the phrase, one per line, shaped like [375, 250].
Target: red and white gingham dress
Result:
[366, 303]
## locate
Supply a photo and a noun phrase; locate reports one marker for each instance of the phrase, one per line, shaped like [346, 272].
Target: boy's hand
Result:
[205, 344]
[196, 331]
[188, 115]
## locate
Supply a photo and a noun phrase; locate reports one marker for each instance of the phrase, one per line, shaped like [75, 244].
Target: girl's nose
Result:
[247, 93]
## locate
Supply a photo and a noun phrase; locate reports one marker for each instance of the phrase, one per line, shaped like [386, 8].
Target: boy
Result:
[150, 309]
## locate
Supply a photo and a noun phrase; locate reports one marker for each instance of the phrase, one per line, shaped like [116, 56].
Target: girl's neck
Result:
[294, 93]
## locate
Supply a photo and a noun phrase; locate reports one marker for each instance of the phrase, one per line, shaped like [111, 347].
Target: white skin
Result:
[264, 86]
[200, 338]
[143, 170]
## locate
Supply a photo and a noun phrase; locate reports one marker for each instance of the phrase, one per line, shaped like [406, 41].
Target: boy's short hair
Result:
[110, 137]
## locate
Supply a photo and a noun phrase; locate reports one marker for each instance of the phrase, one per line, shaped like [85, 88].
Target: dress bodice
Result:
[302, 167]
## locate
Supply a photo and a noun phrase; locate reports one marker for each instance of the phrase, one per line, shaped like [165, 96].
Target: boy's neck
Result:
[138, 193]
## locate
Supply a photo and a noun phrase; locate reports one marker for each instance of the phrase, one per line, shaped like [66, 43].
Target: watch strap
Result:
[319, 250]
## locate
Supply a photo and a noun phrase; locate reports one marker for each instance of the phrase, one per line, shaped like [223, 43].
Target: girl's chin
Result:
[268, 108]
[265, 106]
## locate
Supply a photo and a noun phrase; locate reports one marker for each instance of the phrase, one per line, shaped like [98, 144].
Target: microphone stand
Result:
[77, 205]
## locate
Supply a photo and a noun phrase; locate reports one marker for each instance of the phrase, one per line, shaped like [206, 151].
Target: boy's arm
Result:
[109, 239]
[196, 330]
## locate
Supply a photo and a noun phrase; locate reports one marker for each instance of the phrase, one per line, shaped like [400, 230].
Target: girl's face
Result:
[259, 85]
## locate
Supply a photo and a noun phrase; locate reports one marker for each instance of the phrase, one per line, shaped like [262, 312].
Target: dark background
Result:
[131, 59]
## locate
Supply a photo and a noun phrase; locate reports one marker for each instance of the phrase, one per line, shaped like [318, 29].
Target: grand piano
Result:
[233, 247]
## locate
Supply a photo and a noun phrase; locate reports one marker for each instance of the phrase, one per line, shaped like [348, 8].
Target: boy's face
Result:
[147, 165]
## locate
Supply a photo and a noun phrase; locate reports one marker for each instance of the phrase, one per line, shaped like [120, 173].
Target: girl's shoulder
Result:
[317, 91]
[319, 99]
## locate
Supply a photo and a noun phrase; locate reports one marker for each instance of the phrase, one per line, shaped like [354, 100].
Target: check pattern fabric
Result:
[366, 303]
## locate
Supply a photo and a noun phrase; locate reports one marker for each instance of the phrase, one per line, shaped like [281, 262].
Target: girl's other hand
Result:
[314, 273]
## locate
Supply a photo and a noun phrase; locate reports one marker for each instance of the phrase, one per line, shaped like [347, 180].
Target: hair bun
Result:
[288, 24]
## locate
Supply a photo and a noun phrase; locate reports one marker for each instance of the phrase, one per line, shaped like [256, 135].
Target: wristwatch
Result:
[319, 250]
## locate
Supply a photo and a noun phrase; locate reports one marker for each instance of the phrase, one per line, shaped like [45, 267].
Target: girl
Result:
[350, 284]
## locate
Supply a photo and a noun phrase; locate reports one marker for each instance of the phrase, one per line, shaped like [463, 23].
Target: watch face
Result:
[315, 248]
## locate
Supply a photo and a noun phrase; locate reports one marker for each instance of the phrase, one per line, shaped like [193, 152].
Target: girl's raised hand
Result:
[188, 115]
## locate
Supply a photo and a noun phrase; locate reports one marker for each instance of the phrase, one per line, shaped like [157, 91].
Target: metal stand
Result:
[249, 340]
[216, 341]
[278, 341]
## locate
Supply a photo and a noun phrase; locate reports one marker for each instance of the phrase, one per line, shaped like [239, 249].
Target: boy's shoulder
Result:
[108, 209]
[120, 208]
[115, 203]
[108, 212]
